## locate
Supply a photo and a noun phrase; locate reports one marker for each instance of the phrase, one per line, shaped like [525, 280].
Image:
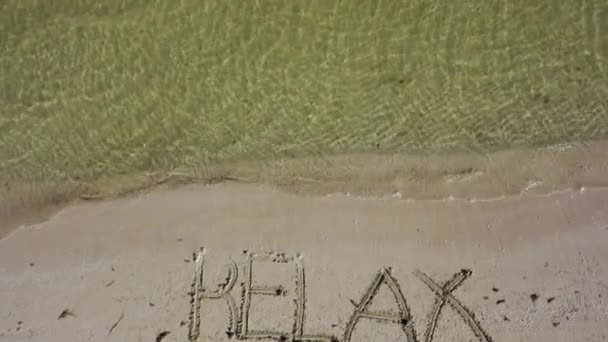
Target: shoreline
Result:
[434, 177]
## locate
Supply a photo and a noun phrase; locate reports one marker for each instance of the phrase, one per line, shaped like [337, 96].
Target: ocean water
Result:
[92, 90]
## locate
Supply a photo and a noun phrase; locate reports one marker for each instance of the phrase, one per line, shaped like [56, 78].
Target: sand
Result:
[521, 268]
[463, 175]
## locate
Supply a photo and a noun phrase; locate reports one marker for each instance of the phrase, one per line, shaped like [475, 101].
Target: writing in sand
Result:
[239, 326]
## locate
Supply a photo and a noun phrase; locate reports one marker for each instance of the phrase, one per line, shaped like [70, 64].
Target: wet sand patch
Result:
[414, 177]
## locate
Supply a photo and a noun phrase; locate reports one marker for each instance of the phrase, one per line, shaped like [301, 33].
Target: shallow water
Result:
[92, 89]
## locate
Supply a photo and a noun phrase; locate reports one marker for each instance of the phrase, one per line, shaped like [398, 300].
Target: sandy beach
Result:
[277, 266]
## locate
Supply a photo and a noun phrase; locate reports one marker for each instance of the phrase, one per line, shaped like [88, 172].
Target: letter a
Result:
[402, 317]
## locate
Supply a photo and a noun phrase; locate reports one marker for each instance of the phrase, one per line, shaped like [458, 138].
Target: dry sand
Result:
[523, 268]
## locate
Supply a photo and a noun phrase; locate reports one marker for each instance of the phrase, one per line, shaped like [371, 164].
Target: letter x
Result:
[444, 295]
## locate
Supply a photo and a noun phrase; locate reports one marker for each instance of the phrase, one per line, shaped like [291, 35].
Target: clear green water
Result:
[91, 88]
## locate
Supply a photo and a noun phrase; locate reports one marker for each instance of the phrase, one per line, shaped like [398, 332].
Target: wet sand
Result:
[456, 175]
[521, 268]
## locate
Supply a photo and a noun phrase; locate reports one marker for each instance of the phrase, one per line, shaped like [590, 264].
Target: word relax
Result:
[239, 325]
